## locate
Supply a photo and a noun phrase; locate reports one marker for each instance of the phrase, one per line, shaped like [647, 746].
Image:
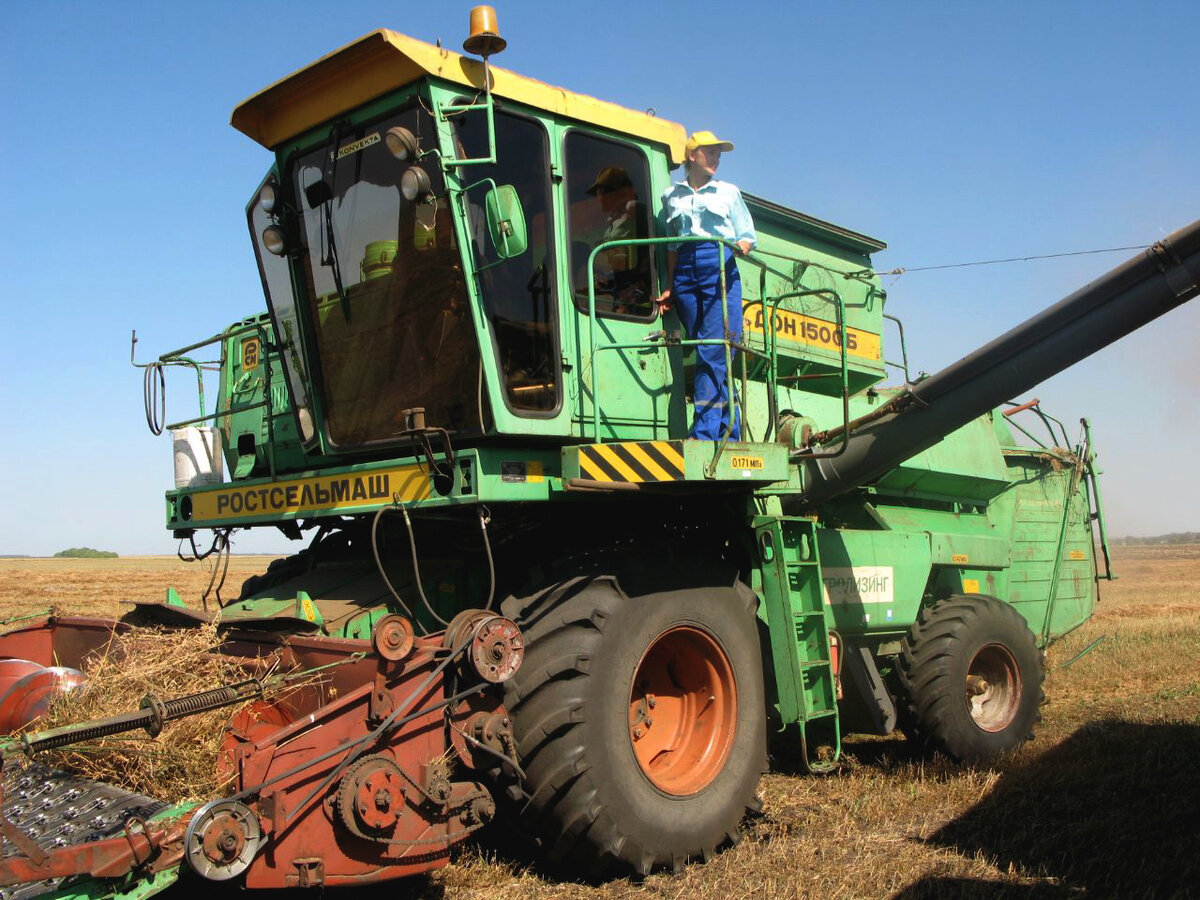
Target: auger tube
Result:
[1137, 292]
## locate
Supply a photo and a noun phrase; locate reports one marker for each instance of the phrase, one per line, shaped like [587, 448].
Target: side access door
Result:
[620, 370]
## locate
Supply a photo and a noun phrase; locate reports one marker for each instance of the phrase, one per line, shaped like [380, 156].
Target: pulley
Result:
[479, 724]
[222, 839]
[492, 643]
[392, 637]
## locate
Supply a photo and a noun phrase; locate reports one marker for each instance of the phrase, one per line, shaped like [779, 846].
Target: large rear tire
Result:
[971, 673]
[640, 723]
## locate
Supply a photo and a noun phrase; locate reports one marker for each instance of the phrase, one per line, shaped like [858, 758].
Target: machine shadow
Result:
[1109, 812]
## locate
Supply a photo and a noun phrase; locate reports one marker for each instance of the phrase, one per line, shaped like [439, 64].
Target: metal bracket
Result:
[310, 872]
[1178, 276]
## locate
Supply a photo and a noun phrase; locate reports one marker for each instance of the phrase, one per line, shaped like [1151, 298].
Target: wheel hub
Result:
[993, 687]
[683, 710]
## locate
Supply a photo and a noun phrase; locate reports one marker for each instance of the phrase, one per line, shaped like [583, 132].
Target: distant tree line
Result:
[1175, 537]
[85, 553]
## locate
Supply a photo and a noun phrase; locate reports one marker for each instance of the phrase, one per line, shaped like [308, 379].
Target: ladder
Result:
[800, 645]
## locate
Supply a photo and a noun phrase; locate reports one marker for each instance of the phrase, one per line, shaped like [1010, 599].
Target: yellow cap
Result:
[706, 139]
[611, 178]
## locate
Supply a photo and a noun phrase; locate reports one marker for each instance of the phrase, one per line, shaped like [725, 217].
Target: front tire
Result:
[640, 723]
[971, 673]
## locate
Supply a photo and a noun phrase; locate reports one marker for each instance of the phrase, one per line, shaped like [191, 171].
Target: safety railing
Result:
[156, 397]
[769, 355]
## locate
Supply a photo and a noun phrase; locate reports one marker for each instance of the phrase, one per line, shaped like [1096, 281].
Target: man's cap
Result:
[610, 179]
[706, 139]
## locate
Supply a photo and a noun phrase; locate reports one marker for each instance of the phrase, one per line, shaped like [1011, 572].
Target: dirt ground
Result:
[1103, 803]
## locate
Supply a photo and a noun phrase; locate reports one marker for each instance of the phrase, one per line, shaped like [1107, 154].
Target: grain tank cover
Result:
[383, 61]
[833, 280]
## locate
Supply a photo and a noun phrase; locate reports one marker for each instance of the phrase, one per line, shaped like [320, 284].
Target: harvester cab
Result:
[485, 269]
[524, 587]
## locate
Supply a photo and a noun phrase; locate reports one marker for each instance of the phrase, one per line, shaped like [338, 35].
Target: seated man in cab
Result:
[622, 273]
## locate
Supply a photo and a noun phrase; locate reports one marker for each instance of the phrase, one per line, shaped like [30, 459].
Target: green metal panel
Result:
[808, 278]
[873, 580]
[479, 475]
[1047, 530]
[978, 551]
[494, 474]
[132, 887]
[966, 465]
[258, 427]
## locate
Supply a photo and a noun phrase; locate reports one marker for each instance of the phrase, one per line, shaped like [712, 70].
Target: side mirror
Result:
[318, 194]
[506, 221]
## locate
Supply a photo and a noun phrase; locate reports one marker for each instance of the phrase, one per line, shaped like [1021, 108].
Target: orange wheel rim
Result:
[683, 711]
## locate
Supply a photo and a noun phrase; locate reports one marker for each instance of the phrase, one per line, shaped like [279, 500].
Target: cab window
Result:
[608, 189]
[518, 293]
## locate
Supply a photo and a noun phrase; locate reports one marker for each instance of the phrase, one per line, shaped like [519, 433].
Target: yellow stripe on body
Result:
[647, 460]
[590, 469]
[617, 463]
[672, 452]
[350, 490]
[796, 328]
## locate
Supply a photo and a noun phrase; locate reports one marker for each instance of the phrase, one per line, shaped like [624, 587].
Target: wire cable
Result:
[382, 572]
[412, 543]
[222, 546]
[484, 518]
[992, 262]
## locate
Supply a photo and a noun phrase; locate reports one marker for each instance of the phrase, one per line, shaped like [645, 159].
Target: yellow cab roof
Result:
[384, 60]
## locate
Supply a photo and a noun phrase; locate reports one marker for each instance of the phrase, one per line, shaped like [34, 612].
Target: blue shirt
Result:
[715, 210]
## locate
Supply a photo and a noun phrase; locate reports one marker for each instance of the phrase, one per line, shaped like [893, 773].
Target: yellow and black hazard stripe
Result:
[632, 461]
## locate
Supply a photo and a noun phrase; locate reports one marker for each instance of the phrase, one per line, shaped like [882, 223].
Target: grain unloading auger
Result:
[1125, 299]
[523, 590]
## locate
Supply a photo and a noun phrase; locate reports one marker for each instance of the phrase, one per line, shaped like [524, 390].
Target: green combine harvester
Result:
[523, 591]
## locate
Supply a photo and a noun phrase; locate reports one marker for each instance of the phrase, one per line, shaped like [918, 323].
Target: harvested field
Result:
[1102, 804]
[98, 587]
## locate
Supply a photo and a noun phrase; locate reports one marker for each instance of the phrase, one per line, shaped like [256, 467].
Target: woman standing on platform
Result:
[700, 205]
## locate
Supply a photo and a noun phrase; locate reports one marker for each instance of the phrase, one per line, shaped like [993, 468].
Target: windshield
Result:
[385, 294]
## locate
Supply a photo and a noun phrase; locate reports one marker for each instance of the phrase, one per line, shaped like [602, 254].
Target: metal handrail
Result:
[840, 310]
[771, 354]
[176, 357]
[903, 365]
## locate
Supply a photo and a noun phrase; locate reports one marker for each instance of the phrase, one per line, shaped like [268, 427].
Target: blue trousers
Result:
[697, 290]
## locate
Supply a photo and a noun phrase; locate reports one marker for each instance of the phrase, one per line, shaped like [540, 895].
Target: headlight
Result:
[401, 143]
[274, 240]
[415, 184]
[306, 423]
[268, 194]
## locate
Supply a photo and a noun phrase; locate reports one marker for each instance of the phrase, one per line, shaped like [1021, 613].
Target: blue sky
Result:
[955, 132]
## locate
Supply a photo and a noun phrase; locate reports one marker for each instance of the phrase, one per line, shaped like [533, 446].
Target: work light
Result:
[401, 143]
[415, 184]
[274, 240]
[268, 194]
